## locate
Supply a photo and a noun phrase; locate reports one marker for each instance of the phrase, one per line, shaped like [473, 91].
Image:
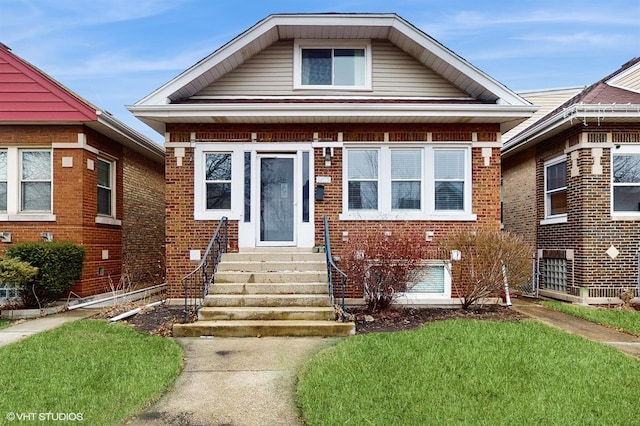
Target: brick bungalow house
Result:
[359, 117]
[72, 172]
[571, 186]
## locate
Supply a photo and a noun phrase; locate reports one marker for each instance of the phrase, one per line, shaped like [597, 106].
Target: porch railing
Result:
[196, 283]
[333, 270]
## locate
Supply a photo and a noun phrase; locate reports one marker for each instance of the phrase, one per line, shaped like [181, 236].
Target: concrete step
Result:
[207, 313]
[271, 277]
[251, 328]
[270, 266]
[273, 256]
[268, 288]
[268, 300]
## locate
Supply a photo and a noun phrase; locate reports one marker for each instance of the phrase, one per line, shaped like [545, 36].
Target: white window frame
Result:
[108, 219]
[427, 209]
[632, 149]
[236, 211]
[300, 44]
[14, 188]
[550, 219]
[426, 298]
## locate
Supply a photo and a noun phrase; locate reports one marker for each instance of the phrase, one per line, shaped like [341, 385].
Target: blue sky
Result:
[115, 52]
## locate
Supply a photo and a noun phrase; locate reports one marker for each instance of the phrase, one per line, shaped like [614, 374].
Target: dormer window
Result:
[341, 65]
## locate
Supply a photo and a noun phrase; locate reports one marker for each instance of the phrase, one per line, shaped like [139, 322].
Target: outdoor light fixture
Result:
[328, 153]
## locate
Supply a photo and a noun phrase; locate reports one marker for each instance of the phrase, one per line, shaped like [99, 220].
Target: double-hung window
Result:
[218, 180]
[406, 179]
[555, 190]
[407, 182]
[26, 184]
[35, 181]
[342, 65]
[105, 187]
[449, 175]
[625, 185]
[363, 179]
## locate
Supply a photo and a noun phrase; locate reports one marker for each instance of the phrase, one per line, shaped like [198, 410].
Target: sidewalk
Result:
[26, 328]
[235, 381]
[622, 341]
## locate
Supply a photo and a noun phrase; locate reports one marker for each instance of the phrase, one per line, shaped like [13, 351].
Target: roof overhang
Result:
[390, 27]
[577, 114]
[157, 116]
[109, 126]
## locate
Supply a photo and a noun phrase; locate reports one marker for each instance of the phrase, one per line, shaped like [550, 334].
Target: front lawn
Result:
[627, 320]
[90, 370]
[4, 323]
[470, 372]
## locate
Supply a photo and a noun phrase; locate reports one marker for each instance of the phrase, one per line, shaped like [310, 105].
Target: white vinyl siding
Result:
[270, 73]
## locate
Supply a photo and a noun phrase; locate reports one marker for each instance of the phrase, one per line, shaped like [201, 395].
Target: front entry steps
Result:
[268, 292]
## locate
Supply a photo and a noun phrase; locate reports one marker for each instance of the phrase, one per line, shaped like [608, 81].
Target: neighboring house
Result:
[72, 172]
[360, 117]
[571, 186]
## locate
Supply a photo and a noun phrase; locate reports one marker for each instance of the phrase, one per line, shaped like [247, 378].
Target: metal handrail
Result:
[196, 283]
[331, 266]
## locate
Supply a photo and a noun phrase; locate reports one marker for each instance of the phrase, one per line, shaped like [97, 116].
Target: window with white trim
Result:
[431, 281]
[363, 179]
[218, 180]
[341, 65]
[105, 187]
[625, 180]
[406, 179]
[35, 180]
[26, 184]
[407, 182]
[555, 188]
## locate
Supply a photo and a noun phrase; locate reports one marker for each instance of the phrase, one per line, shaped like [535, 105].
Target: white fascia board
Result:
[128, 136]
[303, 109]
[161, 95]
[568, 116]
[502, 92]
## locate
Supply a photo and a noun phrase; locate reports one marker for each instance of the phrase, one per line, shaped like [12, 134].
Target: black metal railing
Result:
[196, 283]
[331, 268]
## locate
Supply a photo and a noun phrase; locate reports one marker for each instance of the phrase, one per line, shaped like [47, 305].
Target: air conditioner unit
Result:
[5, 236]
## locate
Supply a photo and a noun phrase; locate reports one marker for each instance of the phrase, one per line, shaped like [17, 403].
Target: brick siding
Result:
[183, 233]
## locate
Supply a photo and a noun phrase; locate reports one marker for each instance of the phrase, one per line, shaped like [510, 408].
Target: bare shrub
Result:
[479, 272]
[382, 263]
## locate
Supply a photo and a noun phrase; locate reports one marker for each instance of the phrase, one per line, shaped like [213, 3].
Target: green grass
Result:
[104, 371]
[4, 323]
[470, 372]
[627, 320]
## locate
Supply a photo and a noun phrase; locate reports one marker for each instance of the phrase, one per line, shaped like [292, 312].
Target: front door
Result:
[277, 200]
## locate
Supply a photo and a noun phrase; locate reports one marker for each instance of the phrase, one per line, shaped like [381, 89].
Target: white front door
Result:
[277, 198]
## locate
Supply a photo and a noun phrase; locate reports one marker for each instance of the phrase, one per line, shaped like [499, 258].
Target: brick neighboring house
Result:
[72, 172]
[392, 126]
[571, 185]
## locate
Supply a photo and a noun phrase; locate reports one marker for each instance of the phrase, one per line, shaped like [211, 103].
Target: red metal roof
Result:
[29, 95]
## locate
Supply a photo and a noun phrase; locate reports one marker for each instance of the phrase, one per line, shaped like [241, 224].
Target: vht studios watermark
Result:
[45, 417]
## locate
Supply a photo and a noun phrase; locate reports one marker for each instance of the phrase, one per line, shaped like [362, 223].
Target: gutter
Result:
[568, 117]
[135, 140]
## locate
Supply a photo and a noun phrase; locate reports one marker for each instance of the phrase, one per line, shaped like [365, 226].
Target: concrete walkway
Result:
[235, 381]
[25, 328]
[622, 341]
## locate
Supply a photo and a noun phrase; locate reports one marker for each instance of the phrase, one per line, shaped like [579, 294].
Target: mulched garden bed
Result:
[159, 320]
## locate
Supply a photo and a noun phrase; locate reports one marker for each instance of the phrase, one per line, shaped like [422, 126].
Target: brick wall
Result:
[75, 201]
[183, 233]
[519, 194]
[143, 225]
[589, 230]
